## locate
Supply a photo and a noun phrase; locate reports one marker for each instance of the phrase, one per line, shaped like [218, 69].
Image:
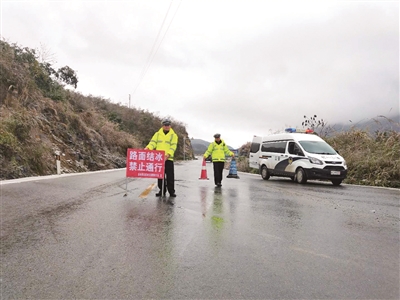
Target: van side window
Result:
[294, 149]
[275, 147]
[254, 147]
[297, 150]
[291, 148]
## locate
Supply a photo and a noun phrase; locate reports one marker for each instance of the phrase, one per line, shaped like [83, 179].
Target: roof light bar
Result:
[296, 130]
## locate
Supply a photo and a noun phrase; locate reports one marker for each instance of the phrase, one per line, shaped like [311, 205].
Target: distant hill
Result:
[381, 123]
[200, 146]
[372, 125]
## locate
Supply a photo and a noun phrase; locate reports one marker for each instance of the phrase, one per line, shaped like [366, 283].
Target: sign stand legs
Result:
[126, 186]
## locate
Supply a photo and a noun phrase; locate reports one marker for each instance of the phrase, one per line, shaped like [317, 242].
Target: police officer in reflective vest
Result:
[218, 150]
[166, 139]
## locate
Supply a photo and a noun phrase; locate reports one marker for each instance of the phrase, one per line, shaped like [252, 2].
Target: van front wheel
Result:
[264, 173]
[301, 176]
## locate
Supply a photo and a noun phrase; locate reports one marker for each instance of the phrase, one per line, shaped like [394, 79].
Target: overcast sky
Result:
[239, 68]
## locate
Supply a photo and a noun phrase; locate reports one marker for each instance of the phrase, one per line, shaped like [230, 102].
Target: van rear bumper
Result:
[315, 173]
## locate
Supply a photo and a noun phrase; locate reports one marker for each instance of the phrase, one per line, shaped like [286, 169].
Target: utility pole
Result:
[129, 105]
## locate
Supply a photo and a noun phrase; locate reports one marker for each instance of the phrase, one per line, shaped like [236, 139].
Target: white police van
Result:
[298, 154]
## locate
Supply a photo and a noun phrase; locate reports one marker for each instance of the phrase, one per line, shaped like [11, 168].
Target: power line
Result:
[154, 44]
[165, 33]
[151, 54]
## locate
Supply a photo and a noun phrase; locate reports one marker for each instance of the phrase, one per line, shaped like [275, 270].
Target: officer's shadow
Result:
[216, 199]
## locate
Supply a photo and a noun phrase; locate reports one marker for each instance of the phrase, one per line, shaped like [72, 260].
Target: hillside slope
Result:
[39, 116]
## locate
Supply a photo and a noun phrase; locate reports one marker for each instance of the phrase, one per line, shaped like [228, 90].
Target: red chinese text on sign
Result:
[145, 163]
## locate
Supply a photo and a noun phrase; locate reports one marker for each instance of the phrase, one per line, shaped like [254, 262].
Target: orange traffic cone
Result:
[203, 174]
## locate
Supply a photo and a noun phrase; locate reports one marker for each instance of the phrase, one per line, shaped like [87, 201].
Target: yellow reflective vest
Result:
[167, 142]
[218, 151]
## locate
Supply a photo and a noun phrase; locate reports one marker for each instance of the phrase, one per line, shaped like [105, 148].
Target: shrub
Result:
[372, 159]
[8, 143]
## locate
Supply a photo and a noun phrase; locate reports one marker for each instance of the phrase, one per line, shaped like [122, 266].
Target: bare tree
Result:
[45, 55]
[319, 126]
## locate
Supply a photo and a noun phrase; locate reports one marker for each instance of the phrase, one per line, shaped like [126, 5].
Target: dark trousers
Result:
[218, 169]
[169, 177]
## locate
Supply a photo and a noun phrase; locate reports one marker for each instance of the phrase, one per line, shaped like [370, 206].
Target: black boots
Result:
[159, 194]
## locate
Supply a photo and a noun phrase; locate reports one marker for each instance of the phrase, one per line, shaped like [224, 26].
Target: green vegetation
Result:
[372, 159]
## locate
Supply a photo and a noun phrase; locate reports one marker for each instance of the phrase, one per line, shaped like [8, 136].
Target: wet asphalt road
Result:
[78, 236]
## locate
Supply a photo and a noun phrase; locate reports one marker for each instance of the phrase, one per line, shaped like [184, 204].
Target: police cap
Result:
[166, 122]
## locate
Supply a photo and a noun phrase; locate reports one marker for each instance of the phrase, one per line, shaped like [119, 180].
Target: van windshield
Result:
[317, 147]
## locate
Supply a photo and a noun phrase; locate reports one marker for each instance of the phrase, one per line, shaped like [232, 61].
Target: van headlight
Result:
[316, 161]
[344, 164]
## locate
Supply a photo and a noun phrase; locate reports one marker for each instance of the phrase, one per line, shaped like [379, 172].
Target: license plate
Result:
[335, 172]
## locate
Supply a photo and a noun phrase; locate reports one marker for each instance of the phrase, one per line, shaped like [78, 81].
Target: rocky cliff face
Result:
[31, 136]
[87, 141]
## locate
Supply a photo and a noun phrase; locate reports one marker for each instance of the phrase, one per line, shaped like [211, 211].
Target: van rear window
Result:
[254, 147]
[276, 147]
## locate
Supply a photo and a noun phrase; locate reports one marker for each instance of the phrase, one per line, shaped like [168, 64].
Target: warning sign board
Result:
[145, 163]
